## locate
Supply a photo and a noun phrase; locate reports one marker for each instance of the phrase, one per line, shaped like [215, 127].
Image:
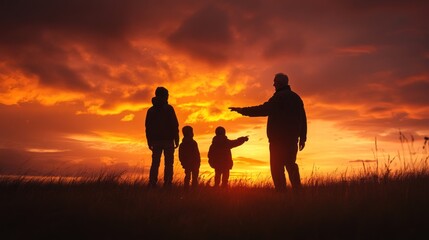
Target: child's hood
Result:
[159, 102]
[219, 139]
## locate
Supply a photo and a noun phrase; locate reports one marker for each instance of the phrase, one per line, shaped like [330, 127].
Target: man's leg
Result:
[156, 158]
[277, 166]
[294, 176]
[168, 161]
[291, 166]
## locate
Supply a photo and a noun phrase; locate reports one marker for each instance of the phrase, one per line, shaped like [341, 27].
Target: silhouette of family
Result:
[286, 132]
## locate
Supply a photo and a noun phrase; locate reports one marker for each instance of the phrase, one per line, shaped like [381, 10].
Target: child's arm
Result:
[237, 142]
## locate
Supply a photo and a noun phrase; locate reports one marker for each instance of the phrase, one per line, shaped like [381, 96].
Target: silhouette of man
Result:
[286, 130]
[162, 134]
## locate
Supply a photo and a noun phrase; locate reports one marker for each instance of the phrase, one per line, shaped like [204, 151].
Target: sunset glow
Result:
[77, 77]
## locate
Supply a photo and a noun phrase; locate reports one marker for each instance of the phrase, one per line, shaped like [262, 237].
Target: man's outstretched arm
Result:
[255, 111]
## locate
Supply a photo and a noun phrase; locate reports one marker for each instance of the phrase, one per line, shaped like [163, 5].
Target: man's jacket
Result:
[286, 116]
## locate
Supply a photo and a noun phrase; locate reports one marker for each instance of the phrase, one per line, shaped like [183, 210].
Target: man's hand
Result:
[176, 143]
[301, 145]
[235, 109]
[150, 145]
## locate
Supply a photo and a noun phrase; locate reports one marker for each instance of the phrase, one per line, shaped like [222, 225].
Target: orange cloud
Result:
[128, 117]
[84, 84]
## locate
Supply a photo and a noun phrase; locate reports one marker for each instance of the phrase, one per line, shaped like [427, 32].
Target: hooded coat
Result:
[189, 154]
[161, 122]
[219, 155]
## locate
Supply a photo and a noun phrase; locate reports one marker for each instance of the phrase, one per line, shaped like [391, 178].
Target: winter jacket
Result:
[286, 116]
[161, 122]
[189, 154]
[219, 154]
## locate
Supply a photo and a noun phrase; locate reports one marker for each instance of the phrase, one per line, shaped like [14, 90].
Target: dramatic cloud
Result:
[77, 77]
[205, 35]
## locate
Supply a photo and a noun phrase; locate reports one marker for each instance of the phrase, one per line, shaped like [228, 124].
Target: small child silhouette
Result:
[220, 157]
[189, 156]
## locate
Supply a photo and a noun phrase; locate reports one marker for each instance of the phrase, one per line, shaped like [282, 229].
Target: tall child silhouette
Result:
[162, 133]
[220, 157]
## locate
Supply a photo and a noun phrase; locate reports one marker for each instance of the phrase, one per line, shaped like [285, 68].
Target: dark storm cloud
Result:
[140, 96]
[89, 17]
[289, 46]
[206, 35]
[281, 28]
[57, 75]
[415, 93]
[45, 39]
[31, 24]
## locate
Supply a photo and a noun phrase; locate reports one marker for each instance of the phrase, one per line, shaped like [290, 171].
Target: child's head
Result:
[187, 131]
[220, 131]
[161, 92]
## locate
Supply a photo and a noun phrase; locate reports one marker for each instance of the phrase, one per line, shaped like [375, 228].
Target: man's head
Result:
[161, 92]
[281, 80]
[220, 131]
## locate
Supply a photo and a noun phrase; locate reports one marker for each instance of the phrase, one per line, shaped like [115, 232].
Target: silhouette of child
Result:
[189, 156]
[220, 157]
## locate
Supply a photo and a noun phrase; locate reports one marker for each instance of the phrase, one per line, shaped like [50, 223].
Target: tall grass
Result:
[378, 203]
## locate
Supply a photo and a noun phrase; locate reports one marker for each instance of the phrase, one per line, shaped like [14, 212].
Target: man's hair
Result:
[282, 78]
[161, 92]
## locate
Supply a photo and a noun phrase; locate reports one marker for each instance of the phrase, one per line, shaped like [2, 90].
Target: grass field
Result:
[364, 207]
[376, 203]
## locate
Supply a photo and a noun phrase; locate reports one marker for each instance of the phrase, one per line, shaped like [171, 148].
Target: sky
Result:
[77, 77]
